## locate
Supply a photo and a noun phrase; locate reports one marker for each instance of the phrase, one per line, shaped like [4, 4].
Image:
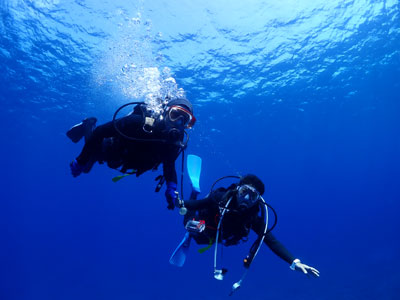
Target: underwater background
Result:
[304, 94]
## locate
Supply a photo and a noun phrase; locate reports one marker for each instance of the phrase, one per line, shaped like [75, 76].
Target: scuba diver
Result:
[137, 142]
[226, 216]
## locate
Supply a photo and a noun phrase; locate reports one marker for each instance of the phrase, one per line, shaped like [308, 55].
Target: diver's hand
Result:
[170, 194]
[307, 270]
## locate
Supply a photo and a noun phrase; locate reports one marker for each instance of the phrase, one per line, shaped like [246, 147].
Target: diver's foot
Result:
[76, 168]
[78, 131]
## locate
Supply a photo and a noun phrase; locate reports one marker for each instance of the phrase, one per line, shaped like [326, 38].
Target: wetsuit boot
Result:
[77, 169]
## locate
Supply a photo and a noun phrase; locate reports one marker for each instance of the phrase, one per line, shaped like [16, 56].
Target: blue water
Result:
[305, 94]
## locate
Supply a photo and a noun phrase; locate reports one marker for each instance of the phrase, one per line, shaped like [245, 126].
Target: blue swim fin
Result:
[194, 171]
[179, 256]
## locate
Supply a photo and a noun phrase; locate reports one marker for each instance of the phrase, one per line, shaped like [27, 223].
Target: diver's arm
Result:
[282, 252]
[199, 204]
[170, 155]
[210, 202]
[277, 247]
[169, 171]
[171, 181]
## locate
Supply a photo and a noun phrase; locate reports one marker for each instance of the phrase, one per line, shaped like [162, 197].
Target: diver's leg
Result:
[93, 144]
[92, 149]
[90, 128]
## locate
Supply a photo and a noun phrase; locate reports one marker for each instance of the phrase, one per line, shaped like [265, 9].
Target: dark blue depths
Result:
[329, 158]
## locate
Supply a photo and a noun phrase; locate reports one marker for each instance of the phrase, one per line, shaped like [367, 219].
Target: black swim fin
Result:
[83, 129]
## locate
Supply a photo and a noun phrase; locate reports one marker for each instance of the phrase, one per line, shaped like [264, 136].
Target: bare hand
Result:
[307, 270]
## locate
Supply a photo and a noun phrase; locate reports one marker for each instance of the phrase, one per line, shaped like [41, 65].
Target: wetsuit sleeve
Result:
[210, 202]
[205, 203]
[277, 247]
[170, 154]
[169, 170]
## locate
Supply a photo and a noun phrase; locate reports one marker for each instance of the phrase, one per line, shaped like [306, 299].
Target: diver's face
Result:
[247, 196]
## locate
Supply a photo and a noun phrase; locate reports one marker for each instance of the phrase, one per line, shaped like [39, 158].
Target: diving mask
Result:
[178, 114]
[247, 196]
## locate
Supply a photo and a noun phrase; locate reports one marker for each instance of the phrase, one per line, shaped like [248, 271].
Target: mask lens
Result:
[247, 195]
[176, 113]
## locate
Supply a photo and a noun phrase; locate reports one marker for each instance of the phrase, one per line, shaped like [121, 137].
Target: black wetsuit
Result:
[235, 225]
[106, 145]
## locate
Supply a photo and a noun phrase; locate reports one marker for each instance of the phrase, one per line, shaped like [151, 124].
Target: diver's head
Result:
[179, 113]
[249, 191]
